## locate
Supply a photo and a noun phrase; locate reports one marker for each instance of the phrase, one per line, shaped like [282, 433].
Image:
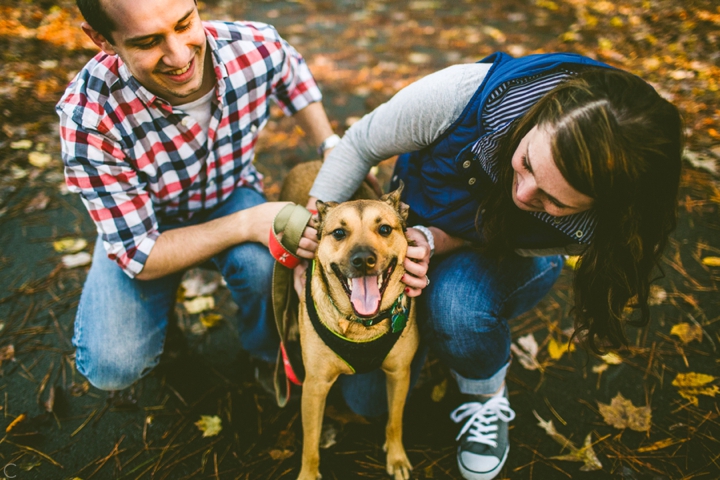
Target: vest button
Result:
[466, 164]
[472, 181]
[579, 234]
[395, 179]
[253, 128]
[185, 121]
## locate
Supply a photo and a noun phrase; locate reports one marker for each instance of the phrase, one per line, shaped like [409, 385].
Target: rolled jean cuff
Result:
[484, 386]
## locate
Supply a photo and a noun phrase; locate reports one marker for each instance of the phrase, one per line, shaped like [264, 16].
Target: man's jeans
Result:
[463, 317]
[121, 323]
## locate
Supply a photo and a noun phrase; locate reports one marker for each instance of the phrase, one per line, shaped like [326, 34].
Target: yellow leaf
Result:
[687, 332]
[70, 245]
[281, 454]
[210, 426]
[605, 44]
[40, 160]
[621, 413]
[21, 145]
[711, 261]
[573, 261]
[692, 380]
[199, 304]
[438, 391]
[549, 4]
[600, 368]
[211, 319]
[617, 22]
[691, 394]
[612, 358]
[584, 454]
[659, 445]
[557, 350]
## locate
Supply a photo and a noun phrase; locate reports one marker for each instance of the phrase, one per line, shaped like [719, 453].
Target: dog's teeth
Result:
[380, 281]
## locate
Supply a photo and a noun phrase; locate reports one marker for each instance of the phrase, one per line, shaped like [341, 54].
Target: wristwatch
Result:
[430, 237]
[328, 143]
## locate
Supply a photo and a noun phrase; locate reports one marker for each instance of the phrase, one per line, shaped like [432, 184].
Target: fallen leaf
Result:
[21, 145]
[7, 353]
[687, 332]
[15, 422]
[328, 436]
[70, 245]
[612, 358]
[79, 389]
[557, 349]
[197, 284]
[621, 413]
[281, 454]
[439, 390]
[40, 202]
[76, 260]
[209, 425]
[199, 304]
[692, 384]
[527, 355]
[572, 261]
[657, 295]
[701, 161]
[711, 261]
[660, 444]
[586, 454]
[38, 159]
[599, 369]
[210, 320]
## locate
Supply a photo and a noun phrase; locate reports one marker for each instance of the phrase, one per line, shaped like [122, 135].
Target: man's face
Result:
[163, 44]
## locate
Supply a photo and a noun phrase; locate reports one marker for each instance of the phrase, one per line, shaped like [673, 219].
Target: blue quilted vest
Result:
[445, 184]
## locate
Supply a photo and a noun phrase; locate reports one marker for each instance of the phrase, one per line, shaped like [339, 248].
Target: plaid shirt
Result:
[135, 159]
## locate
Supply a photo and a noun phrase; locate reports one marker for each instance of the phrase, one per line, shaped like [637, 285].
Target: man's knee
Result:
[248, 264]
[108, 368]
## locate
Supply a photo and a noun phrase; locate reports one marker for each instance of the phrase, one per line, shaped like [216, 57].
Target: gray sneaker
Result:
[483, 440]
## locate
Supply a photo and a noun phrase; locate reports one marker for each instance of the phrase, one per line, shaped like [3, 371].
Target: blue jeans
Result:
[121, 322]
[463, 317]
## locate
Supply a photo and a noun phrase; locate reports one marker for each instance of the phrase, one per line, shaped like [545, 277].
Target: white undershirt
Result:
[200, 110]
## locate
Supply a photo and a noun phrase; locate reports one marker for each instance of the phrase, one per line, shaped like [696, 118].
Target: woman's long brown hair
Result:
[617, 141]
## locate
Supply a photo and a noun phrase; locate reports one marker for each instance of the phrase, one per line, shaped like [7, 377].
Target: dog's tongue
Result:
[365, 296]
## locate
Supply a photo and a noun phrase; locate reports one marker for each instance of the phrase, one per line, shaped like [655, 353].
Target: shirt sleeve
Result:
[294, 88]
[116, 198]
[411, 120]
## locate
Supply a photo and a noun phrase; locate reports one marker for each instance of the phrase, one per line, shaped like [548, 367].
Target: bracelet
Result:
[328, 143]
[429, 236]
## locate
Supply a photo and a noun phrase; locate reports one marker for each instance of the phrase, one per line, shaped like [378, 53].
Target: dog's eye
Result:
[339, 234]
[385, 230]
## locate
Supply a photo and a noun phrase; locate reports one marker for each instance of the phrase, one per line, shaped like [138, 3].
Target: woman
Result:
[513, 163]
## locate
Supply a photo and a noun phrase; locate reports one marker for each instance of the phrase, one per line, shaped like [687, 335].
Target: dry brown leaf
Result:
[660, 444]
[527, 355]
[7, 353]
[281, 454]
[621, 413]
[439, 390]
[687, 332]
[209, 425]
[586, 454]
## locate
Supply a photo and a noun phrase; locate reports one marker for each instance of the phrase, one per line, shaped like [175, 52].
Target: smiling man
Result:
[158, 136]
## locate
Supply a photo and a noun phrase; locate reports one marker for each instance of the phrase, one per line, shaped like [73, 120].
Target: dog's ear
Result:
[323, 208]
[393, 199]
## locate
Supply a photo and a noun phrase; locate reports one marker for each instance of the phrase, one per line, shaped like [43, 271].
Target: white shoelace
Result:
[483, 418]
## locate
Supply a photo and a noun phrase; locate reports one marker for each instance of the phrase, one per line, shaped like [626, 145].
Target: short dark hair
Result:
[96, 17]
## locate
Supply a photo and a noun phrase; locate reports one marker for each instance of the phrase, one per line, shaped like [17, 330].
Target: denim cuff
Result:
[485, 386]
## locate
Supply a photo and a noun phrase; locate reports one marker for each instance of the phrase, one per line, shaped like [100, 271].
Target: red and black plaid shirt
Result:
[135, 159]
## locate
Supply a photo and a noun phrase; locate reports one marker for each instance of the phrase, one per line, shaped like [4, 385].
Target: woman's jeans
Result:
[121, 322]
[463, 317]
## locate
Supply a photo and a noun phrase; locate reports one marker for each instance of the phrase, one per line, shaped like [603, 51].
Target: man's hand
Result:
[416, 263]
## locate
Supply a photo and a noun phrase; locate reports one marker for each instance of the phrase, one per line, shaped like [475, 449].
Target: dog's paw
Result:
[398, 466]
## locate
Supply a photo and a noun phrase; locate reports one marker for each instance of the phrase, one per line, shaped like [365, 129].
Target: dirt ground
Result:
[57, 426]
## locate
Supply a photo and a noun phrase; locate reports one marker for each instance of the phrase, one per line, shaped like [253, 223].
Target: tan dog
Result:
[356, 293]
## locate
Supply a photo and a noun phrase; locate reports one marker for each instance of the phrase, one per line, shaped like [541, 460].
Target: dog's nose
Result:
[363, 260]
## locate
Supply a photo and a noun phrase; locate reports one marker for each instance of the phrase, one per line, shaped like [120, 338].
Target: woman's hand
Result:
[416, 263]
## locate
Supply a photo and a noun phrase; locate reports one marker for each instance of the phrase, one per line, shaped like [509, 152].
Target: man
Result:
[158, 134]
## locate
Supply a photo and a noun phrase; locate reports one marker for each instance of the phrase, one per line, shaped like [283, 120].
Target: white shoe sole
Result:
[489, 475]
